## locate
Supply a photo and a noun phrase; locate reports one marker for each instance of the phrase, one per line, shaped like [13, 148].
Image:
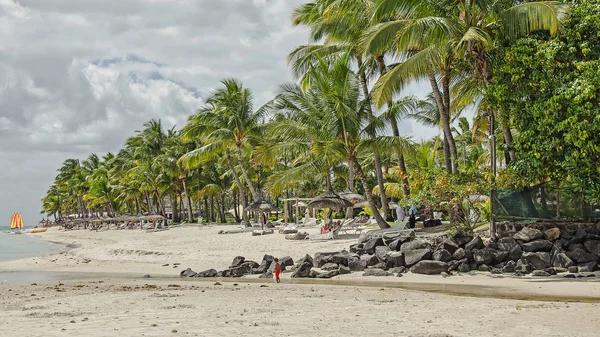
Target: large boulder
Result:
[552, 234]
[476, 243]
[369, 246]
[464, 267]
[416, 244]
[459, 254]
[507, 244]
[396, 244]
[266, 275]
[442, 255]
[461, 240]
[344, 270]
[376, 272]
[330, 266]
[341, 258]
[322, 258]
[450, 245]
[581, 256]
[537, 246]
[329, 274]
[538, 260]
[237, 261]
[523, 266]
[593, 246]
[515, 253]
[265, 264]
[528, 234]
[397, 258]
[589, 267]
[381, 252]
[207, 273]
[499, 256]
[509, 267]
[187, 273]
[286, 261]
[371, 260]
[303, 271]
[429, 267]
[306, 258]
[484, 256]
[357, 265]
[561, 260]
[413, 256]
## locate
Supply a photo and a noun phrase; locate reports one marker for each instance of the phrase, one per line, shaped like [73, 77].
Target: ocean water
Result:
[20, 246]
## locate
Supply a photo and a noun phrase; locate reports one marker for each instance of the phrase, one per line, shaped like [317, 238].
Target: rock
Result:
[459, 254]
[462, 240]
[516, 253]
[415, 245]
[581, 256]
[573, 269]
[579, 236]
[354, 248]
[450, 245]
[575, 246]
[396, 258]
[569, 276]
[303, 271]
[413, 256]
[381, 252]
[330, 266]
[496, 271]
[476, 243]
[509, 267]
[483, 256]
[538, 260]
[147, 276]
[266, 275]
[484, 267]
[444, 274]
[550, 271]
[379, 265]
[357, 265]
[341, 258]
[265, 264]
[306, 258]
[399, 270]
[507, 244]
[528, 234]
[237, 261]
[540, 273]
[329, 274]
[399, 275]
[523, 267]
[187, 273]
[552, 234]
[559, 270]
[207, 273]
[369, 246]
[376, 272]
[313, 274]
[464, 267]
[396, 244]
[561, 260]
[371, 260]
[589, 267]
[453, 265]
[469, 255]
[323, 258]
[344, 270]
[593, 246]
[537, 246]
[499, 257]
[442, 255]
[429, 267]
[286, 261]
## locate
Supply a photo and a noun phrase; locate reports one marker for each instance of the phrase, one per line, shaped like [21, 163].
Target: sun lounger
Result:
[259, 232]
[296, 236]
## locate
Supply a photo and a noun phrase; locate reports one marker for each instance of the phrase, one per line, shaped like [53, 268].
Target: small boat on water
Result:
[16, 224]
[38, 230]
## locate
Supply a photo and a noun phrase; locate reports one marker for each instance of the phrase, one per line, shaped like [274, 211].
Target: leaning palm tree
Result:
[226, 125]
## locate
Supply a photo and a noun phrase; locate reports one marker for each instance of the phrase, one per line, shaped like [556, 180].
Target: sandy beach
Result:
[105, 294]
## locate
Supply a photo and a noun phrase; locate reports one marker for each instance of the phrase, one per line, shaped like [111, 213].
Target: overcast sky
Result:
[80, 76]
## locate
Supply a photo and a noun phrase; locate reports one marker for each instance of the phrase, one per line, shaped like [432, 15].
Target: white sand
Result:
[376, 307]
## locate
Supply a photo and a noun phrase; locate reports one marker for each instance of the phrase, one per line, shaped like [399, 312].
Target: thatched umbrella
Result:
[262, 207]
[353, 197]
[329, 200]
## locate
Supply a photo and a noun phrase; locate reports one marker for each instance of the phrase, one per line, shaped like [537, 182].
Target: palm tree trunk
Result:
[236, 177]
[444, 118]
[223, 219]
[361, 176]
[447, 156]
[240, 158]
[451, 142]
[377, 158]
[211, 203]
[190, 213]
[174, 208]
[508, 137]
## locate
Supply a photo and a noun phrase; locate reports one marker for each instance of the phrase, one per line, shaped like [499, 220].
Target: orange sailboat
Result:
[16, 224]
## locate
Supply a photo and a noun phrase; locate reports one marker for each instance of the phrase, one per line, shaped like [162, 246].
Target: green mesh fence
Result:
[541, 202]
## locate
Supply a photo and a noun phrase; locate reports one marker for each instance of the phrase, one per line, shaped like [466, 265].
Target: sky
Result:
[81, 76]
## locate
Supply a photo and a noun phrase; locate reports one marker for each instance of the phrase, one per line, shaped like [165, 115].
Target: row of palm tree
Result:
[339, 125]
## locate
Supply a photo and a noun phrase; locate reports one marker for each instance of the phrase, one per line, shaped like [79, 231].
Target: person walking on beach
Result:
[277, 269]
[412, 214]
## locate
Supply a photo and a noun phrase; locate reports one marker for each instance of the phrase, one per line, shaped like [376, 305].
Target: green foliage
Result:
[550, 88]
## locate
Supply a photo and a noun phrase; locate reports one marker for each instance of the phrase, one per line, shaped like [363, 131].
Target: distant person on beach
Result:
[277, 270]
[412, 216]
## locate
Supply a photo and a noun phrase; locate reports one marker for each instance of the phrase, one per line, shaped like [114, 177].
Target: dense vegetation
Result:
[330, 132]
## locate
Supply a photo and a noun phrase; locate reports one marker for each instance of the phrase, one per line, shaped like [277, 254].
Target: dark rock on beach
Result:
[187, 273]
[413, 256]
[376, 272]
[429, 267]
[357, 265]
[207, 273]
[303, 271]
[528, 234]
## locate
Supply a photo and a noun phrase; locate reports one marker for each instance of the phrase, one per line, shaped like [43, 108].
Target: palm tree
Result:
[226, 124]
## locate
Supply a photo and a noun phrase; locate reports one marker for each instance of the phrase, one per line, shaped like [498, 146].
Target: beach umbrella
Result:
[329, 200]
[262, 207]
[360, 204]
[302, 204]
[353, 197]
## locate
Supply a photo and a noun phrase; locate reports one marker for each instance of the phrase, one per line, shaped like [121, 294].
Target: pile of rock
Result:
[240, 267]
